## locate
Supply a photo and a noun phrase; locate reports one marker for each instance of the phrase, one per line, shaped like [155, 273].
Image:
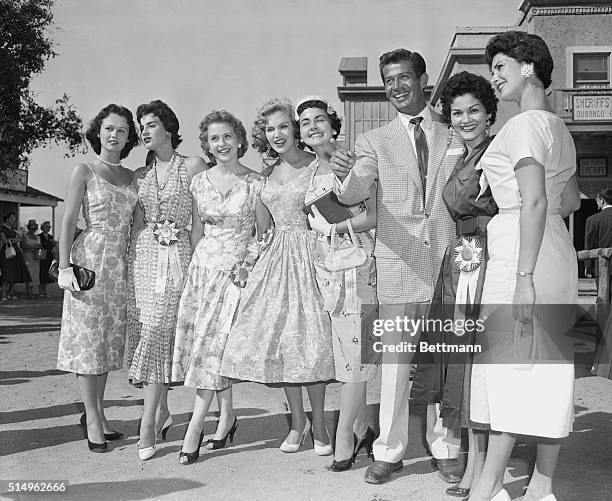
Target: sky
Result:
[200, 55]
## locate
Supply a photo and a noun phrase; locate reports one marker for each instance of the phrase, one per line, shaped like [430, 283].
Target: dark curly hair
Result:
[525, 48]
[93, 130]
[334, 120]
[166, 116]
[258, 131]
[469, 83]
[398, 55]
[225, 117]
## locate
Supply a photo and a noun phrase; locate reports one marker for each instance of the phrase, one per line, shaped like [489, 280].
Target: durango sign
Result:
[593, 107]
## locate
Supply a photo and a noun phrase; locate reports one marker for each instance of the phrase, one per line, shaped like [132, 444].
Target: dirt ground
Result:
[40, 438]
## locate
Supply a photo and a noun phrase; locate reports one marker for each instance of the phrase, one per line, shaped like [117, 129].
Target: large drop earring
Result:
[526, 70]
[487, 130]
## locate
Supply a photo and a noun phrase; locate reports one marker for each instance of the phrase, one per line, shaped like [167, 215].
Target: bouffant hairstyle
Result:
[525, 48]
[93, 131]
[166, 116]
[334, 119]
[399, 55]
[258, 131]
[468, 83]
[225, 117]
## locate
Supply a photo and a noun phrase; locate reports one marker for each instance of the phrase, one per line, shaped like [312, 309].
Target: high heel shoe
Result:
[366, 442]
[114, 435]
[501, 496]
[147, 452]
[94, 447]
[322, 450]
[287, 447]
[220, 444]
[191, 457]
[161, 435]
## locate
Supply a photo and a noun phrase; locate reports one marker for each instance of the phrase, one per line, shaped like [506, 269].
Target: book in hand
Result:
[330, 208]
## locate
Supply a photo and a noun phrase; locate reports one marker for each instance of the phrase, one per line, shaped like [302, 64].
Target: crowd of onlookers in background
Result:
[25, 257]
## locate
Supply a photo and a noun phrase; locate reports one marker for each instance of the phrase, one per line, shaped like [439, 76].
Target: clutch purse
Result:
[330, 208]
[345, 258]
[85, 278]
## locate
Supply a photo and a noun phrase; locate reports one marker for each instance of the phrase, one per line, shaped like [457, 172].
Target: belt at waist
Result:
[472, 226]
[517, 210]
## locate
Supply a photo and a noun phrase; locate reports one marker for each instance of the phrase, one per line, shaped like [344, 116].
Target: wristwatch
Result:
[524, 273]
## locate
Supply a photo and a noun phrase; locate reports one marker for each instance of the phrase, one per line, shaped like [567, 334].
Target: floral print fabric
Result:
[210, 298]
[94, 321]
[281, 333]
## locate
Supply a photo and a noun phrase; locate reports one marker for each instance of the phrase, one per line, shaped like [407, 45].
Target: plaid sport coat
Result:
[412, 231]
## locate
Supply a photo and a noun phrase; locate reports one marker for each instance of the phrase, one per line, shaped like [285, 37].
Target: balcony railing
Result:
[563, 99]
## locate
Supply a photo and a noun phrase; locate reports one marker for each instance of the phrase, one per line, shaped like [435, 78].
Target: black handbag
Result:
[85, 278]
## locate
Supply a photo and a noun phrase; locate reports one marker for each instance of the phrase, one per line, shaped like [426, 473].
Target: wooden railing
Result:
[602, 303]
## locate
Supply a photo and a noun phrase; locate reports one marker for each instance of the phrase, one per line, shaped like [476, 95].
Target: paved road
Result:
[40, 439]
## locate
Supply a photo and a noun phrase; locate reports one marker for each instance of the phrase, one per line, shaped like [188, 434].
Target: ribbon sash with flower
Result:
[166, 232]
[468, 253]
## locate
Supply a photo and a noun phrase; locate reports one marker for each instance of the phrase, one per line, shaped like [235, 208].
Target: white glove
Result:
[318, 223]
[66, 280]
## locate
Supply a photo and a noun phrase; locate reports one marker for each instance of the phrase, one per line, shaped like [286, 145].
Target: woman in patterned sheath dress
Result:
[94, 321]
[158, 265]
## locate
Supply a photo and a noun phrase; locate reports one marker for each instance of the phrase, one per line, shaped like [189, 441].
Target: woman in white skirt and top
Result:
[94, 321]
[349, 295]
[531, 280]
[222, 236]
[282, 335]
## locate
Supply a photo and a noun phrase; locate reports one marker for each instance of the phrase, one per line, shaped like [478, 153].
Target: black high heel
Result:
[94, 447]
[345, 464]
[220, 444]
[192, 457]
[114, 435]
[367, 442]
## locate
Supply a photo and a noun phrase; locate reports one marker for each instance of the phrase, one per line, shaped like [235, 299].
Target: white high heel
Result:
[147, 452]
[502, 496]
[287, 447]
[322, 450]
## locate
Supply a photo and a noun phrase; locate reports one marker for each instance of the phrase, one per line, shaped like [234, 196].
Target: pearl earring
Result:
[526, 70]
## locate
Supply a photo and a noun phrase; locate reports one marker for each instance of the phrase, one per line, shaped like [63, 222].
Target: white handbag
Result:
[340, 259]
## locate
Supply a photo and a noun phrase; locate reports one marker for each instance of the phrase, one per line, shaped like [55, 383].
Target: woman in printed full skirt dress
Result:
[94, 321]
[349, 295]
[282, 335]
[159, 257]
[222, 235]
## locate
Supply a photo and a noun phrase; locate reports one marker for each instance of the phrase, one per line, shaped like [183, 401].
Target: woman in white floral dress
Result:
[94, 321]
[222, 235]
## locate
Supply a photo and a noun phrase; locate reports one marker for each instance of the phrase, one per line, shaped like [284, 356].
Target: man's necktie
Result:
[422, 151]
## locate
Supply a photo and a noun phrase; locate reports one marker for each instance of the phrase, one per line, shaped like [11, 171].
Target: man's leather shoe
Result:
[381, 471]
[449, 470]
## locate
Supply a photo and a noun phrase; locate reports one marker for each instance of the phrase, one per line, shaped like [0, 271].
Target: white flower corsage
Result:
[468, 253]
[166, 233]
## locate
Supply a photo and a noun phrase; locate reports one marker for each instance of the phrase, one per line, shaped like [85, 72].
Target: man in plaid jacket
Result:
[410, 159]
